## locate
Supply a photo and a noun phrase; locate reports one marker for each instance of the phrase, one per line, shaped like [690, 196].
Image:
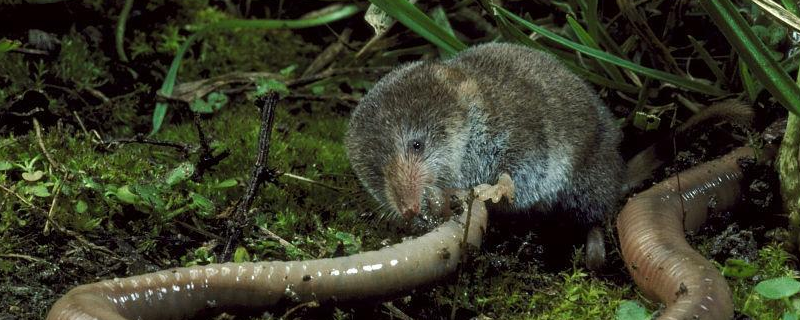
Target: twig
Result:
[11, 192]
[38, 128]
[207, 159]
[183, 148]
[340, 97]
[24, 257]
[310, 304]
[200, 231]
[286, 244]
[98, 94]
[96, 138]
[314, 182]
[333, 72]
[395, 312]
[31, 51]
[266, 104]
[328, 55]
[53, 204]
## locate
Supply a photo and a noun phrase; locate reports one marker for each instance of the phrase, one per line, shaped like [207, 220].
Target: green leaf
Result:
[8, 45]
[288, 70]
[181, 173]
[738, 268]
[204, 206]
[241, 255]
[265, 85]
[229, 183]
[682, 82]
[39, 190]
[754, 53]
[32, 176]
[90, 184]
[440, 18]
[631, 310]
[150, 196]
[91, 223]
[352, 245]
[317, 90]
[414, 19]
[125, 195]
[789, 315]
[212, 103]
[5, 165]
[169, 80]
[778, 288]
[81, 206]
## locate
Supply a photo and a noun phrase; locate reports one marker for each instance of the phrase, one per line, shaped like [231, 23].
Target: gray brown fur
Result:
[494, 108]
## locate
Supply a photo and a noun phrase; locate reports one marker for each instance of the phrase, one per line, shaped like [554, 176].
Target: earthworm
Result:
[183, 292]
[652, 238]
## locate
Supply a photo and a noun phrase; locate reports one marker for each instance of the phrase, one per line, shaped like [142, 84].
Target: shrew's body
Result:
[493, 109]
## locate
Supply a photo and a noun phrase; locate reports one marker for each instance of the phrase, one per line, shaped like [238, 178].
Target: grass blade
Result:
[603, 56]
[511, 32]
[169, 80]
[407, 14]
[748, 82]
[440, 17]
[754, 53]
[709, 61]
[586, 39]
[778, 13]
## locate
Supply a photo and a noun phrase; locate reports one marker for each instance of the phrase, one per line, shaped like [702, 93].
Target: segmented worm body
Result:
[652, 229]
[182, 292]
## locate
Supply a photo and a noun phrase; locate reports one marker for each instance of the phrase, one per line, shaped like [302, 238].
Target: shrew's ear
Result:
[451, 77]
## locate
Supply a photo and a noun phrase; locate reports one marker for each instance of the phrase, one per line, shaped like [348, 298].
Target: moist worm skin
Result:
[182, 292]
[652, 237]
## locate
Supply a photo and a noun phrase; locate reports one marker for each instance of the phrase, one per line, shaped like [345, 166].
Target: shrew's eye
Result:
[416, 146]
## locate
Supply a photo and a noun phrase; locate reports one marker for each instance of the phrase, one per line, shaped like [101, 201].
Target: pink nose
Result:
[409, 213]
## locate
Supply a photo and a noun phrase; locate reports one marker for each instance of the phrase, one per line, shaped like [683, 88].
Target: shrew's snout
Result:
[406, 178]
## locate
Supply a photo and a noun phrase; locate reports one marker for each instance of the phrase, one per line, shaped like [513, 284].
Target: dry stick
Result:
[266, 104]
[334, 72]
[40, 140]
[314, 182]
[55, 164]
[96, 139]
[185, 149]
[328, 55]
[24, 257]
[286, 244]
[310, 304]
[207, 159]
[396, 312]
[53, 204]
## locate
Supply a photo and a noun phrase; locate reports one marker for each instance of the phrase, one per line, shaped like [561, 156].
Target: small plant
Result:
[783, 289]
[632, 310]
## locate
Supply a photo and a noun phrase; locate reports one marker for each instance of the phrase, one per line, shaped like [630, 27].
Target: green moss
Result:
[773, 262]
[227, 51]
[79, 64]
